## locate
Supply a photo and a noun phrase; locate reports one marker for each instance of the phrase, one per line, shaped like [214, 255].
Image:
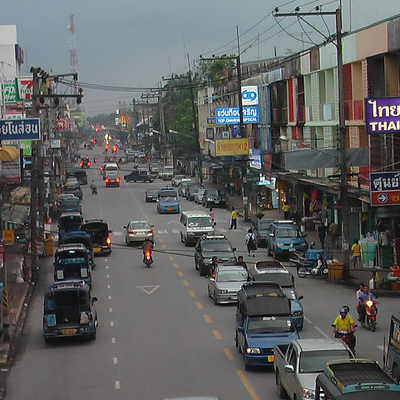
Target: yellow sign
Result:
[8, 236]
[232, 147]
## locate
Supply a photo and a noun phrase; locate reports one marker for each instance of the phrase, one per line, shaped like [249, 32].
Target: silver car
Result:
[225, 282]
[176, 180]
[138, 231]
[198, 196]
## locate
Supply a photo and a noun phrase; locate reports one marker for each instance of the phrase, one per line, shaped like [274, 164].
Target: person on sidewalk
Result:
[212, 214]
[322, 234]
[251, 242]
[233, 219]
[356, 254]
[286, 210]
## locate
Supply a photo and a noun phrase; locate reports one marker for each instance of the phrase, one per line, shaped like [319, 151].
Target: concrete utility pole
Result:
[343, 164]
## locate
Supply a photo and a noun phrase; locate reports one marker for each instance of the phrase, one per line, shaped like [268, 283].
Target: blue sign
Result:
[20, 129]
[230, 115]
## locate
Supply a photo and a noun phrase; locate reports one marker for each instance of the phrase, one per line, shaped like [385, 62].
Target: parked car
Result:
[70, 204]
[209, 246]
[176, 180]
[141, 175]
[99, 233]
[260, 229]
[183, 184]
[190, 191]
[138, 231]
[285, 238]
[198, 195]
[74, 189]
[151, 195]
[225, 282]
[214, 198]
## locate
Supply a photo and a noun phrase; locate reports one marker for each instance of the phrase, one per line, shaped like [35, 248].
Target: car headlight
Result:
[280, 244]
[298, 314]
[209, 199]
[253, 350]
[207, 260]
[308, 393]
[222, 291]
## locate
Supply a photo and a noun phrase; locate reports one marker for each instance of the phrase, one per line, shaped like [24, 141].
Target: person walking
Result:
[286, 210]
[251, 242]
[212, 214]
[233, 219]
[241, 262]
[356, 254]
[322, 234]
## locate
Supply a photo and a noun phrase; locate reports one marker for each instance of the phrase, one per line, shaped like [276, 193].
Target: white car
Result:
[138, 231]
[176, 180]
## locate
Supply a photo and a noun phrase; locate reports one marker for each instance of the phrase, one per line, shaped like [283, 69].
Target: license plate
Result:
[292, 249]
[270, 358]
[96, 249]
[216, 201]
[169, 208]
[69, 331]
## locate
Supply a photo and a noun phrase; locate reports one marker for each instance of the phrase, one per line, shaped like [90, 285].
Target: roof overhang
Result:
[8, 153]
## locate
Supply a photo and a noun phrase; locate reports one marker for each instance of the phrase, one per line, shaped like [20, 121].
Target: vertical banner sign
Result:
[382, 115]
[385, 188]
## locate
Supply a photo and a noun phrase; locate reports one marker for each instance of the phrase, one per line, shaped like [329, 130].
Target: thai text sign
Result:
[232, 147]
[230, 115]
[385, 188]
[20, 129]
[382, 115]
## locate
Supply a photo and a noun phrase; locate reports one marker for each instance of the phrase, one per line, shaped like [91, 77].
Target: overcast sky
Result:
[134, 43]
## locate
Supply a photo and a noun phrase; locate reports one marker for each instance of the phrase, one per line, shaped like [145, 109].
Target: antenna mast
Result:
[73, 55]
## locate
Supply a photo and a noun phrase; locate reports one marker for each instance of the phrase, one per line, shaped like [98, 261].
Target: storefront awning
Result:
[8, 153]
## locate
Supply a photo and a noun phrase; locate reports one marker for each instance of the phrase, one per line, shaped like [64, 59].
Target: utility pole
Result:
[343, 163]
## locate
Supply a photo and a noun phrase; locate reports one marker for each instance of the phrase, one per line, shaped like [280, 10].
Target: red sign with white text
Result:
[387, 198]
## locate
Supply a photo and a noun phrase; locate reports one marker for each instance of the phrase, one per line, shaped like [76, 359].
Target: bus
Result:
[79, 174]
[393, 347]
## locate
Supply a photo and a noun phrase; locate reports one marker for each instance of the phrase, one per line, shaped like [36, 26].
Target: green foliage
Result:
[215, 70]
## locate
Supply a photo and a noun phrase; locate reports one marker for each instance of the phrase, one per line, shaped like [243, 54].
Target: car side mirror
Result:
[234, 249]
[124, 227]
[301, 297]
[94, 299]
[240, 329]
[289, 368]
[215, 223]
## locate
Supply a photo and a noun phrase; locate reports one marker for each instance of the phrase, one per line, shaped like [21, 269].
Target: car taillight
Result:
[108, 240]
[101, 168]
[150, 232]
[107, 179]
[117, 180]
[89, 163]
[131, 232]
[81, 164]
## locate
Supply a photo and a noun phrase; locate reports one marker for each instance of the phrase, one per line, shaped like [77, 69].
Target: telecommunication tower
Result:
[73, 55]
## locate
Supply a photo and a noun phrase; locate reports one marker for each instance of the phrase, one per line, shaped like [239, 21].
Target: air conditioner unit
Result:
[225, 135]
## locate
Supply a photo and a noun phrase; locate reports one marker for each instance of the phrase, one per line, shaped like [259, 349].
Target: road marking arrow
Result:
[148, 289]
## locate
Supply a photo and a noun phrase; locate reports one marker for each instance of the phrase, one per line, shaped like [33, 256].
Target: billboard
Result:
[385, 188]
[382, 115]
[230, 115]
[20, 129]
[232, 147]
[250, 95]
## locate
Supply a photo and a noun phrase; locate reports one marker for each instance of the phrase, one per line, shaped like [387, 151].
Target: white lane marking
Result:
[113, 340]
[175, 231]
[381, 347]
[106, 259]
[149, 289]
[117, 385]
[308, 320]
[322, 332]
[115, 360]
[118, 233]
[111, 323]
[110, 310]
[162, 232]
[107, 276]
[109, 297]
[221, 230]
[106, 266]
[108, 286]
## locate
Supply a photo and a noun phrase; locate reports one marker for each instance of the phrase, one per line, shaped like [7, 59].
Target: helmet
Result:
[343, 310]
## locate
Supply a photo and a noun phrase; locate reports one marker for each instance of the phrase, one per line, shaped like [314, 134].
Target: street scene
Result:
[232, 232]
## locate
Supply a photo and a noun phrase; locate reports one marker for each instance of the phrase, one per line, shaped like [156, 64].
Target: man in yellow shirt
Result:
[344, 322]
[286, 210]
[356, 254]
[233, 219]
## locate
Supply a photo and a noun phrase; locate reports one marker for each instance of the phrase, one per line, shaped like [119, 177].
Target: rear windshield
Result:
[315, 361]
[199, 222]
[269, 325]
[232, 276]
[170, 193]
[72, 220]
[217, 246]
[60, 302]
[112, 168]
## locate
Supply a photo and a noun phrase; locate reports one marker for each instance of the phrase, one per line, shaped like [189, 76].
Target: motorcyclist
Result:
[362, 298]
[147, 245]
[213, 265]
[93, 187]
[344, 322]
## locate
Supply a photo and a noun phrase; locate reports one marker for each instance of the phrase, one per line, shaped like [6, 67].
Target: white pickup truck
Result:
[298, 364]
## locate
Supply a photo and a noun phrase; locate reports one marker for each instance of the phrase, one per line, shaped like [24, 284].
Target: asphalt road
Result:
[159, 334]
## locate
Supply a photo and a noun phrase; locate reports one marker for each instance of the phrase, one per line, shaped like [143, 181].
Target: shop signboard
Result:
[20, 129]
[232, 147]
[385, 188]
[230, 115]
[250, 95]
[382, 115]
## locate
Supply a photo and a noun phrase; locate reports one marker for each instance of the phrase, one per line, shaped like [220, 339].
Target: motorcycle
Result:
[313, 267]
[348, 337]
[94, 190]
[148, 259]
[370, 311]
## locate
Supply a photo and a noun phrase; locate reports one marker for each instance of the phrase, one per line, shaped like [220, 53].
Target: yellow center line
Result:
[180, 273]
[175, 265]
[229, 354]
[186, 283]
[207, 318]
[163, 246]
[198, 304]
[217, 335]
[192, 294]
[247, 385]
[171, 258]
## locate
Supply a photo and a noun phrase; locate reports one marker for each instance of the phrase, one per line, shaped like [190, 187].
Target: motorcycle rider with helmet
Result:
[363, 296]
[93, 187]
[147, 245]
[344, 325]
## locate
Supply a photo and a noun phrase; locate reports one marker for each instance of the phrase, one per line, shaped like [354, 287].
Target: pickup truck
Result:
[298, 364]
[263, 321]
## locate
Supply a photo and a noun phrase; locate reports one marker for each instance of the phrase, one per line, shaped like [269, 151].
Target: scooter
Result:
[348, 338]
[370, 315]
[313, 268]
[94, 190]
[148, 259]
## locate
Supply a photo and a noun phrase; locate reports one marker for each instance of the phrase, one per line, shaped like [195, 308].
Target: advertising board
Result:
[232, 147]
[382, 115]
[20, 129]
[385, 188]
[230, 115]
